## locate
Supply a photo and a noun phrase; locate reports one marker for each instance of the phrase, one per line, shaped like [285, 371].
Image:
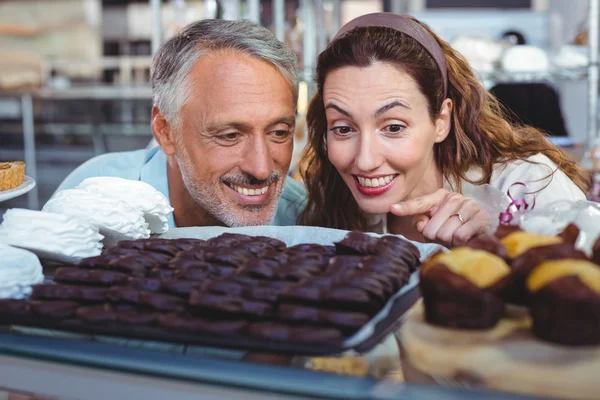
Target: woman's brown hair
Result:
[481, 134]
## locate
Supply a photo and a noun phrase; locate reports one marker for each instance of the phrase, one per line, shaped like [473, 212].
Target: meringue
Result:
[19, 269]
[50, 236]
[137, 194]
[115, 219]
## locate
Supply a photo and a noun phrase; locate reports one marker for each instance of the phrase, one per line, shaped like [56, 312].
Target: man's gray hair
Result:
[176, 57]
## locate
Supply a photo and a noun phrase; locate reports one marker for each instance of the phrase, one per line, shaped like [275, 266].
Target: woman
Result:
[401, 130]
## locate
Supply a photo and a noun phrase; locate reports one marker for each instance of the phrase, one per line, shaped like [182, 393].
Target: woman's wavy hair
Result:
[481, 133]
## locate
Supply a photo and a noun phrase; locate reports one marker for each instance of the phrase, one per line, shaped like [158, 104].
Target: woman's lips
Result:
[374, 186]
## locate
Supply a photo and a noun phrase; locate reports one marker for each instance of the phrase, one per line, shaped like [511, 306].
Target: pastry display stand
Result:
[27, 186]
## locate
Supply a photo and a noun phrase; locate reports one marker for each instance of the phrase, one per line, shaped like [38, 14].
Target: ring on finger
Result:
[460, 218]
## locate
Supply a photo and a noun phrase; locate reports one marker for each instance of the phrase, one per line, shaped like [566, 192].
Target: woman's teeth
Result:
[375, 182]
[250, 192]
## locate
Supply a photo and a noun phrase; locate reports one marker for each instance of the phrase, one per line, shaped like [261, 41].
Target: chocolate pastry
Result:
[124, 294]
[136, 317]
[162, 273]
[93, 277]
[287, 333]
[233, 305]
[185, 261]
[180, 287]
[257, 291]
[97, 313]
[565, 302]
[13, 306]
[462, 288]
[229, 240]
[146, 284]
[343, 298]
[308, 248]
[190, 323]
[519, 242]
[570, 234]
[134, 264]
[54, 308]
[356, 243]
[395, 247]
[515, 292]
[348, 321]
[165, 247]
[504, 230]
[51, 291]
[195, 274]
[274, 243]
[489, 243]
[132, 244]
[229, 257]
[596, 251]
[162, 302]
[338, 263]
[161, 259]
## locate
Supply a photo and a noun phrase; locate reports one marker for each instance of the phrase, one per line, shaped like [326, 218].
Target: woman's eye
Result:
[341, 130]
[394, 128]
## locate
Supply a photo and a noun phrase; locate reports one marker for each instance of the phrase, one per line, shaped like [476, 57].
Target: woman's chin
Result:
[374, 207]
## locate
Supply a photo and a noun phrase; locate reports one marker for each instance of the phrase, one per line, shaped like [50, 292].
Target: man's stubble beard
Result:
[206, 196]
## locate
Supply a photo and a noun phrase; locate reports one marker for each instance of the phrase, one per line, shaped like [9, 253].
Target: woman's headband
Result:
[409, 27]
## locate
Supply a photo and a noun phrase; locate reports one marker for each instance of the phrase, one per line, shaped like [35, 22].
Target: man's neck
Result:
[187, 211]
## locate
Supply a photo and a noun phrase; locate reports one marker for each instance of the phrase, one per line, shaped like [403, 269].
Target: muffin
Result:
[12, 174]
[519, 242]
[565, 302]
[462, 288]
[523, 265]
[525, 251]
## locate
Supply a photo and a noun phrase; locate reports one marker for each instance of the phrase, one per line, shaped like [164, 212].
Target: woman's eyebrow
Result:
[387, 107]
[338, 109]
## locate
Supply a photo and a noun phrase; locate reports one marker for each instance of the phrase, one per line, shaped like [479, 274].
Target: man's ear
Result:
[444, 121]
[162, 132]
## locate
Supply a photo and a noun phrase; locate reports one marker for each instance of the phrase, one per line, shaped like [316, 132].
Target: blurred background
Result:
[74, 73]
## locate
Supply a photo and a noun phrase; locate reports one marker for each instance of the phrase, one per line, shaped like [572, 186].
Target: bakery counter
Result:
[93, 370]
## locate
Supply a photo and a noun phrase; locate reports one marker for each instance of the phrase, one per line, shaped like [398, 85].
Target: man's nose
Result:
[258, 161]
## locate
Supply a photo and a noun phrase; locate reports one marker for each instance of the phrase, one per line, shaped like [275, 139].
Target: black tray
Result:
[384, 327]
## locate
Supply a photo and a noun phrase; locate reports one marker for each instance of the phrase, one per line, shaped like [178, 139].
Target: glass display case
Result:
[78, 368]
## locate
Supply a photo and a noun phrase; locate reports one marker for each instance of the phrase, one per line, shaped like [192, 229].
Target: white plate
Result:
[26, 186]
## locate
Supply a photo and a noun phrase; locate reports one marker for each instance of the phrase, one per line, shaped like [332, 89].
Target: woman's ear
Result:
[444, 121]
[162, 132]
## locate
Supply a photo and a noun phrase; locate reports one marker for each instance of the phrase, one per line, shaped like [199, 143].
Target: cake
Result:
[462, 288]
[565, 301]
[12, 174]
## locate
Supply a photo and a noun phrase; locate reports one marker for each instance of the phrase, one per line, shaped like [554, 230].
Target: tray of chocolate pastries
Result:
[255, 293]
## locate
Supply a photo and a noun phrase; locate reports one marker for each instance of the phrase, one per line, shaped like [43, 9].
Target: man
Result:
[224, 114]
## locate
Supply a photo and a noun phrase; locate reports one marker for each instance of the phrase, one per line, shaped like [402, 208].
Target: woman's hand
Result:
[444, 217]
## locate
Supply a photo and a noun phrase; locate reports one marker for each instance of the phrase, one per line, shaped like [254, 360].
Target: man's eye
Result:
[229, 137]
[282, 134]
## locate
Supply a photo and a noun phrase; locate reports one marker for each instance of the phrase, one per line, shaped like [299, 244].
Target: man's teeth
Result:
[375, 182]
[250, 192]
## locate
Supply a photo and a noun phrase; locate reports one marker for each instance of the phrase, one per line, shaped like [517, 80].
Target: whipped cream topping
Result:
[136, 194]
[115, 219]
[53, 235]
[19, 269]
